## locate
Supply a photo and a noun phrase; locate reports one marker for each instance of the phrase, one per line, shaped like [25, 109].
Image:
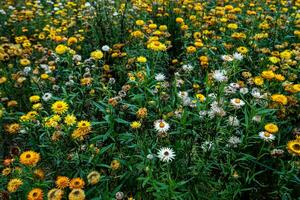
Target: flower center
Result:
[266, 134]
[28, 156]
[161, 125]
[237, 101]
[296, 147]
[166, 153]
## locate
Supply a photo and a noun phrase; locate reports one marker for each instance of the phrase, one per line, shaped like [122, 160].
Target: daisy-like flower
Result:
[244, 90]
[266, 136]
[105, 48]
[220, 75]
[160, 77]
[233, 121]
[187, 68]
[161, 126]
[234, 141]
[227, 58]
[166, 154]
[237, 103]
[238, 56]
[47, 96]
[59, 107]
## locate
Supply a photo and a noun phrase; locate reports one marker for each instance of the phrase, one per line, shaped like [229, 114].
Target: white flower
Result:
[150, 156]
[26, 70]
[160, 77]
[233, 121]
[187, 68]
[266, 136]
[227, 58]
[238, 56]
[202, 113]
[244, 90]
[166, 154]
[77, 58]
[256, 118]
[87, 4]
[105, 48]
[237, 103]
[2, 12]
[255, 92]
[229, 90]
[44, 67]
[47, 96]
[182, 94]
[179, 82]
[215, 109]
[220, 75]
[234, 85]
[161, 126]
[276, 152]
[234, 141]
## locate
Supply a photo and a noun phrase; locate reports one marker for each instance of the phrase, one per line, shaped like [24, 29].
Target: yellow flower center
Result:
[267, 134]
[237, 101]
[161, 125]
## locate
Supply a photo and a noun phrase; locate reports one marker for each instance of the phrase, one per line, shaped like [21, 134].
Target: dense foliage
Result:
[140, 99]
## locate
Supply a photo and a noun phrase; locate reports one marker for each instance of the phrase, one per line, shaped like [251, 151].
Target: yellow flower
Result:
[35, 194]
[72, 40]
[55, 194]
[191, 49]
[77, 183]
[115, 164]
[242, 50]
[258, 80]
[139, 22]
[274, 59]
[59, 107]
[268, 74]
[83, 124]
[77, 194]
[61, 49]
[39, 173]
[14, 184]
[62, 182]
[232, 26]
[201, 97]
[142, 113]
[6, 171]
[279, 77]
[286, 54]
[279, 98]
[37, 106]
[293, 147]
[97, 55]
[152, 26]
[29, 158]
[70, 120]
[296, 88]
[271, 128]
[141, 59]
[135, 125]
[3, 79]
[179, 20]
[34, 99]
[157, 46]
[25, 62]
[93, 177]
[44, 76]
[13, 128]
